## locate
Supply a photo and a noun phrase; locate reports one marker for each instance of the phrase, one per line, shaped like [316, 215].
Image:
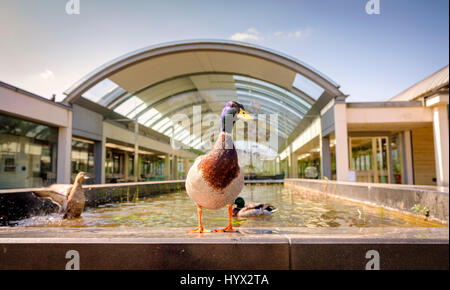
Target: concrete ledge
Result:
[392, 197]
[251, 249]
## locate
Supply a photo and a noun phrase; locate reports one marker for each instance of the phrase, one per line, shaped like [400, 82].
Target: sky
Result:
[373, 57]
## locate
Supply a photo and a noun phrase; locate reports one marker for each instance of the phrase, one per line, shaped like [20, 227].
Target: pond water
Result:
[295, 209]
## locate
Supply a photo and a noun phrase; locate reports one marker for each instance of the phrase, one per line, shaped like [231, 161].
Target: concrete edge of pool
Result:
[252, 249]
[392, 197]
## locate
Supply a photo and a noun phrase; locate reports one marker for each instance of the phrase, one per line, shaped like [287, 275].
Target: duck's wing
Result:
[257, 209]
[56, 193]
[248, 212]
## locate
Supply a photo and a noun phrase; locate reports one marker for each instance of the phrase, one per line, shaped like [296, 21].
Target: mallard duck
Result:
[215, 179]
[253, 209]
[70, 198]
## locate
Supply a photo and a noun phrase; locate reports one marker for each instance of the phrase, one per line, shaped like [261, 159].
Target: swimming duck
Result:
[70, 198]
[253, 209]
[215, 179]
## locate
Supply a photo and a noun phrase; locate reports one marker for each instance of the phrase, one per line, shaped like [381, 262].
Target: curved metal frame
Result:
[135, 57]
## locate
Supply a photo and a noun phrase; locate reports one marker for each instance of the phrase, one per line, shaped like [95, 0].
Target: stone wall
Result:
[394, 197]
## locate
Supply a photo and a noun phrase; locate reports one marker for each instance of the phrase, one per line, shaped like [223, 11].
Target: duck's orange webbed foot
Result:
[199, 230]
[229, 228]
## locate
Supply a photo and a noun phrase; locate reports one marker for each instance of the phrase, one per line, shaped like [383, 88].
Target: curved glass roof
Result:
[155, 105]
[194, 42]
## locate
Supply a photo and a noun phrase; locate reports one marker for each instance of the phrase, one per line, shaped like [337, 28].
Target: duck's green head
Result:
[239, 202]
[232, 111]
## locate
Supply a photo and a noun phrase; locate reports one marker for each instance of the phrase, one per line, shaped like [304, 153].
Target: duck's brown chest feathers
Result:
[220, 166]
[75, 203]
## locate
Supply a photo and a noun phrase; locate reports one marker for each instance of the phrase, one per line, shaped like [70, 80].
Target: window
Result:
[27, 153]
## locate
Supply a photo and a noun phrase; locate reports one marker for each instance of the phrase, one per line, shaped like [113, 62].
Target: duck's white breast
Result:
[205, 195]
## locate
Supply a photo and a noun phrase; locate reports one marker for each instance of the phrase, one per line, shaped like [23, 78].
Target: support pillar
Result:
[136, 151]
[341, 135]
[125, 166]
[167, 167]
[99, 161]
[441, 146]
[407, 158]
[325, 157]
[293, 165]
[64, 152]
[175, 167]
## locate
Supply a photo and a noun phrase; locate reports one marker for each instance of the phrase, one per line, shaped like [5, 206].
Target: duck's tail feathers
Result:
[273, 209]
[270, 208]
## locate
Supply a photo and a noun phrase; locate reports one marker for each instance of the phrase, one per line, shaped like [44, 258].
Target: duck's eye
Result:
[243, 115]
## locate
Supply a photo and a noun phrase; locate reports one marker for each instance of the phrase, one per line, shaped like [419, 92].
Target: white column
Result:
[341, 136]
[136, 150]
[441, 147]
[167, 167]
[125, 166]
[103, 167]
[175, 167]
[293, 170]
[407, 155]
[64, 152]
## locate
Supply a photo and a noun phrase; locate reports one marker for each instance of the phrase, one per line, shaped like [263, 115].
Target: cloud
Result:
[301, 33]
[250, 34]
[254, 35]
[47, 75]
[297, 34]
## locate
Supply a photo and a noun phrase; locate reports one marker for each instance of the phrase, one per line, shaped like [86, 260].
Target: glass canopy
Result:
[154, 106]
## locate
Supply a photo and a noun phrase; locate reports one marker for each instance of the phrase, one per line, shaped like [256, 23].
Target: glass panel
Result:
[27, 153]
[397, 158]
[137, 110]
[308, 87]
[280, 90]
[362, 159]
[369, 159]
[130, 165]
[382, 163]
[82, 159]
[128, 106]
[101, 89]
[309, 165]
[165, 122]
[149, 116]
[114, 165]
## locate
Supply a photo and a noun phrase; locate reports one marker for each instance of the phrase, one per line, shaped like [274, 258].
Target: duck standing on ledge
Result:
[215, 179]
[70, 198]
[252, 209]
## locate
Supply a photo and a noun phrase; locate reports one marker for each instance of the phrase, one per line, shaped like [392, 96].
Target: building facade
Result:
[117, 122]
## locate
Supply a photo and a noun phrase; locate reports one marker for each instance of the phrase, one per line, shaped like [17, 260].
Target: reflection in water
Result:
[296, 209]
